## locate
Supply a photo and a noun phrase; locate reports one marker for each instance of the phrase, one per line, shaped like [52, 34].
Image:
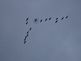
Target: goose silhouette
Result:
[27, 19]
[66, 17]
[27, 32]
[62, 18]
[50, 18]
[40, 20]
[25, 41]
[56, 21]
[26, 23]
[35, 20]
[27, 35]
[45, 19]
[30, 28]
[56, 18]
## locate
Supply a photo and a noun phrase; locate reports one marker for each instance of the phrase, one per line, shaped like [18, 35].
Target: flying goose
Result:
[66, 17]
[46, 19]
[50, 18]
[27, 19]
[62, 18]
[56, 18]
[40, 20]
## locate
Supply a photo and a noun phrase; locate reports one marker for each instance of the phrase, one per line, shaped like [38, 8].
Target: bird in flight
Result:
[66, 17]
[50, 18]
[27, 35]
[27, 19]
[56, 18]
[62, 18]
[56, 21]
[30, 28]
[27, 32]
[25, 41]
[26, 23]
[40, 20]
[35, 20]
[46, 19]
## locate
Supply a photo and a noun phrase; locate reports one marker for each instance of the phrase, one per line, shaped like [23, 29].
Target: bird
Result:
[46, 19]
[30, 28]
[25, 41]
[56, 21]
[40, 20]
[62, 18]
[26, 23]
[50, 18]
[27, 32]
[27, 35]
[66, 17]
[56, 18]
[35, 20]
[27, 18]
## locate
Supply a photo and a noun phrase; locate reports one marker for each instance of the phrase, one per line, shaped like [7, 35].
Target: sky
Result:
[48, 41]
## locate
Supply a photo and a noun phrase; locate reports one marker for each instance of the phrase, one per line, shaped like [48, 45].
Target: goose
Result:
[30, 28]
[26, 23]
[50, 18]
[27, 32]
[56, 21]
[56, 18]
[27, 19]
[40, 20]
[25, 41]
[66, 17]
[62, 18]
[46, 19]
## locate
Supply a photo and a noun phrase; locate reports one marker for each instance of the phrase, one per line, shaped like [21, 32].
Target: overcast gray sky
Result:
[49, 41]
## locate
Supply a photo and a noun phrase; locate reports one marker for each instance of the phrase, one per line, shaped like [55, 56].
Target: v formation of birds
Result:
[40, 21]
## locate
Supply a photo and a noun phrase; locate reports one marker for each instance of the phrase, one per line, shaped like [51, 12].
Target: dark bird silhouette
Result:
[27, 32]
[30, 28]
[25, 38]
[56, 18]
[40, 20]
[56, 21]
[26, 23]
[27, 19]
[62, 18]
[25, 41]
[50, 18]
[27, 35]
[66, 17]
[35, 20]
[46, 19]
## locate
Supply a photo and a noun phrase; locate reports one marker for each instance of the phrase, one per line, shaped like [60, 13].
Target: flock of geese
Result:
[36, 20]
